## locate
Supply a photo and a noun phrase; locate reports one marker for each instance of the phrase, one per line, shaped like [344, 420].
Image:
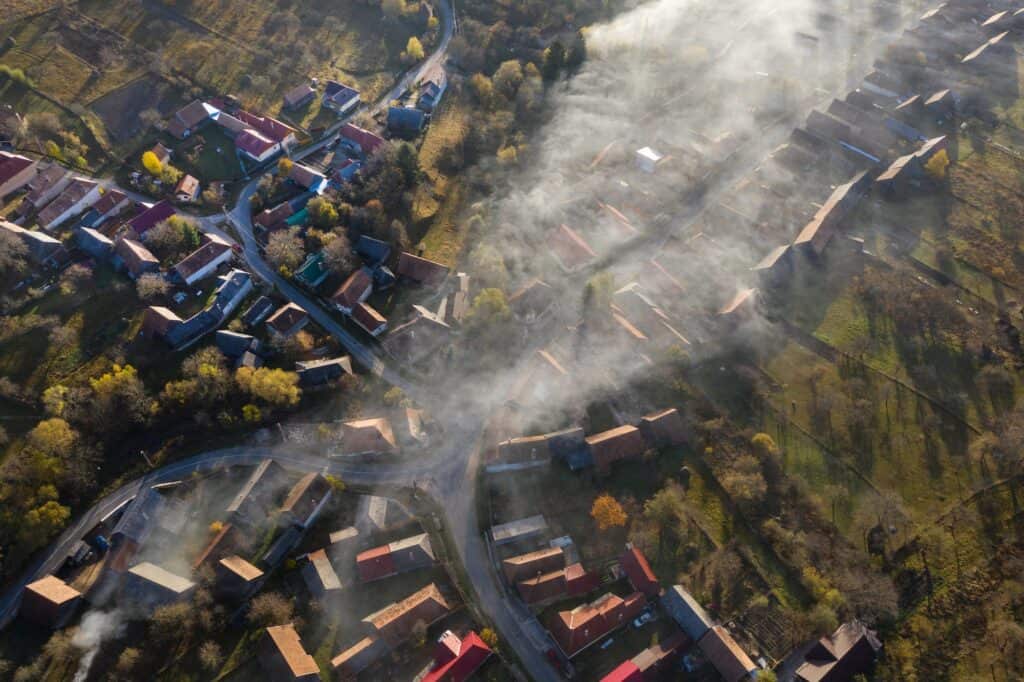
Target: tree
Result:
[414, 49]
[52, 437]
[393, 9]
[483, 89]
[322, 213]
[577, 52]
[418, 636]
[210, 656]
[173, 238]
[119, 398]
[489, 267]
[152, 164]
[489, 311]
[607, 512]
[284, 166]
[13, 255]
[269, 609]
[508, 78]
[936, 166]
[43, 522]
[666, 510]
[72, 279]
[554, 60]
[744, 480]
[151, 286]
[764, 444]
[285, 250]
[489, 637]
[338, 255]
[171, 623]
[273, 386]
[597, 296]
[127, 664]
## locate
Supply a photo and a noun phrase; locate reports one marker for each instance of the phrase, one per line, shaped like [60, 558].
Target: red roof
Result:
[367, 317]
[11, 165]
[148, 219]
[639, 572]
[375, 563]
[368, 141]
[353, 289]
[579, 581]
[626, 672]
[269, 127]
[575, 630]
[109, 201]
[253, 143]
[457, 659]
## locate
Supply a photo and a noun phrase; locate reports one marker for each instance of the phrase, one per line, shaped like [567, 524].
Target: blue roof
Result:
[406, 119]
[686, 612]
[372, 250]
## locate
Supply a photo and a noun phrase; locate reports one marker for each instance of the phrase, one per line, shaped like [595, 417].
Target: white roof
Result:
[649, 153]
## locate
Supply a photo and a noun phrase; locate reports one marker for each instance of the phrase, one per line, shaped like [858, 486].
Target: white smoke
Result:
[95, 628]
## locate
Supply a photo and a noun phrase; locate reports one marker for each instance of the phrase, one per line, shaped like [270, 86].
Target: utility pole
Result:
[146, 457]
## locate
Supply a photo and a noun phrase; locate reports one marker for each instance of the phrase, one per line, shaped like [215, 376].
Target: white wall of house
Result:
[85, 202]
[209, 268]
[53, 191]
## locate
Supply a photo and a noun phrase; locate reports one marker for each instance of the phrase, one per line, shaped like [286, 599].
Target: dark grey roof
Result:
[233, 344]
[372, 250]
[257, 311]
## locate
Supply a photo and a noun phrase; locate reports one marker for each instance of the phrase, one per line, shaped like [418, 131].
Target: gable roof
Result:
[686, 612]
[214, 248]
[11, 165]
[368, 435]
[426, 604]
[286, 317]
[268, 127]
[367, 141]
[457, 659]
[148, 219]
[571, 250]
[850, 650]
[289, 647]
[160, 576]
[53, 590]
[298, 94]
[254, 143]
[639, 572]
[731, 662]
[353, 288]
[367, 317]
[194, 113]
[420, 269]
[322, 571]
[339, 93]
[241, 568]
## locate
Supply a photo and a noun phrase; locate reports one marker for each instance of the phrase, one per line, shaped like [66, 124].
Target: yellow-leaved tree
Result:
[607, 512]
[936, 166]
[151, 163]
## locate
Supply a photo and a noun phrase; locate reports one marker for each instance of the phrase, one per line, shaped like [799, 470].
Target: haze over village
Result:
[447, 340]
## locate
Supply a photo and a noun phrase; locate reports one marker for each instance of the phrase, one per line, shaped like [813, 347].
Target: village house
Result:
[313, 271]
[652, 663]
[368, 319]
[257, 312]
[187, 189]
[909, 171]
[306, 500]
[158, 321]
[191, 118]
[776, 268]
[456, 303]
[420, 337]
[283, 658]
[150, 217]
[270, 218]
[15, 172]
[420, 270]
[731, 662]
[406, 122]
[47, 184]
[664, 428]
[236, 579]
[819, 232]
[307, 179]
[319, 575]
[149, 586]
[257, 496]
[42, 248]
[162, 153]
[229, 294]
[569, 582]
[524, 449]
[849, 651]
[992, 55]
[456, 659]
[584, 625]
[394, 558]
[432, 88]
[359, 141]
[516, 531]
[263, 136]
[622, 442]
[356, 288]
[135, 258]
[532, 300]
[368, 436]
[343, 544]
[647, 159]
[94, 243]
[533, 564]
[319, 372]
[228, 541]
[634, 564]
[688, 614]
[204, 261]
[299, 96]
[570, 250]
[234, 345]
[49, 602]
[340, 98]
[288, 320]
[111, 204]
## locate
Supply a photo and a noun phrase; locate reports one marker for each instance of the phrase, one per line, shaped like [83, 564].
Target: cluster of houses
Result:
[576, 450]
[268, 499]
[257, 138]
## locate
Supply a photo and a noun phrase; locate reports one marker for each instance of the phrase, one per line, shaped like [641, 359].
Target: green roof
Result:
[313, 272]
[299, 218]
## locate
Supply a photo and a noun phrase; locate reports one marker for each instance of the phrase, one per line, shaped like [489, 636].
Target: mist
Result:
[96, 627]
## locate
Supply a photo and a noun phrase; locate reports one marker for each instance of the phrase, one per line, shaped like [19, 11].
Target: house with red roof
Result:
[15, 172]
[623, 442]
[584, 625]
[571, 581]
[359, 141]
[396, 557]
[651, 663]
[369, 319]
[151, 216]
[456, 659]
[354, 290]
[420, 270]
[638, 571]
